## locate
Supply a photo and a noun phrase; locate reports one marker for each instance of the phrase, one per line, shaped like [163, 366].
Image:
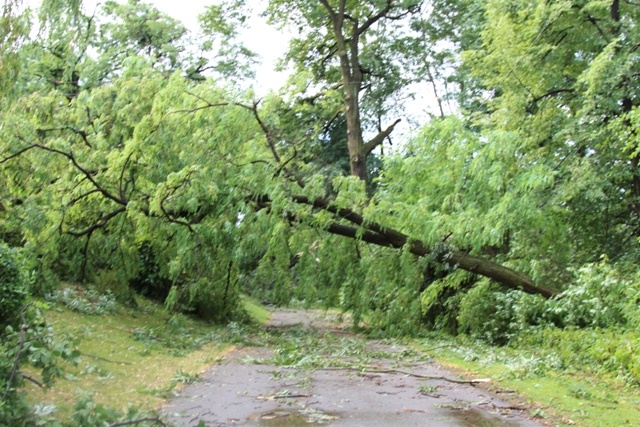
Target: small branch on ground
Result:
[106, 360]
[374, 370]
[33, 380]
[156, 420]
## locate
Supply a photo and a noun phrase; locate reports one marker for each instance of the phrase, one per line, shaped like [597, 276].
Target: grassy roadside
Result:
[532, 378]
[144, 355]
[131, 357]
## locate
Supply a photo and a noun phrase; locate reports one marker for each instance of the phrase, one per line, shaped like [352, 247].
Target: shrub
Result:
[496, 316]
[208, 300]
[108, 281]
[599, 298]
[12, 291]
[150, 280]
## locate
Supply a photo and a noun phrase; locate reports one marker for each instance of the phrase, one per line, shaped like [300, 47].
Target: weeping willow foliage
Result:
[120, 159]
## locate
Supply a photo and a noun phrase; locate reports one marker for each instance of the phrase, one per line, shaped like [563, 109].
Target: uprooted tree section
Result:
[360, 228]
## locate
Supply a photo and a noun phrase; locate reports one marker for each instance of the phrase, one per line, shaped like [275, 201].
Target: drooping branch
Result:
[377, 234]
[268, 134]
[87, 174]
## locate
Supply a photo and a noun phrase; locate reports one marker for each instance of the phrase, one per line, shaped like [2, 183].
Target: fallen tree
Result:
[377, 234]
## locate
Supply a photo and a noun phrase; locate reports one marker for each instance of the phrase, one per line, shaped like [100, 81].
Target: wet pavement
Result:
[245, 390]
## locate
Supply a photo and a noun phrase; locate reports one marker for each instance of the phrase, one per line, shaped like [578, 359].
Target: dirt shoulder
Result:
[329, 376]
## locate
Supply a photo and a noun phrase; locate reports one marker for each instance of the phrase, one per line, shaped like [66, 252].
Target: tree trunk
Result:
[374, 233]
[348, 44]
[457, 259]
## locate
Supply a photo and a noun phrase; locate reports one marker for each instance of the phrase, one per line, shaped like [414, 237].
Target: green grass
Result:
[131, 357]
[560, 395]
[257, 312]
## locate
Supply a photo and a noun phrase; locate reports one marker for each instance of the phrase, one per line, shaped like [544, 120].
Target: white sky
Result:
[270, 45]
[262, 39]
[259, 37]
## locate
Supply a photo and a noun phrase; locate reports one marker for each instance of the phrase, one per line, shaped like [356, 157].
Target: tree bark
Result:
[348, 44]
[377, 234]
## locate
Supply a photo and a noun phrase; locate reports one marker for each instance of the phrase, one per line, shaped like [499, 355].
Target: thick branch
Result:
[100, 224]
[374, 233]
[379, 138]
[18, 153]
[552, 93]
[369, 22]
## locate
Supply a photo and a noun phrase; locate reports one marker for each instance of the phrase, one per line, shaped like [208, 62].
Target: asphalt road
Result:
[241, 392]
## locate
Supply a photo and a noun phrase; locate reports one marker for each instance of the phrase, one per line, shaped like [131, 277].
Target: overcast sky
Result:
[262, 39]
[270, 45]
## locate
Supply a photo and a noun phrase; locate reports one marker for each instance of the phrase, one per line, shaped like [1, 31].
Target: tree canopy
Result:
[128, 148]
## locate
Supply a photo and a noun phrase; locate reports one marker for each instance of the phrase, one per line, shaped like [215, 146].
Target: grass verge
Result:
[131, 357]
[537, 379]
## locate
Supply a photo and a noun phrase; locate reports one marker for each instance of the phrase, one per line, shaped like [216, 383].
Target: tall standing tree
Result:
[361, 49]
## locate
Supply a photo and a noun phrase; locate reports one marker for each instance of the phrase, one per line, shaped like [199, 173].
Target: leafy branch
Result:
[377, 234]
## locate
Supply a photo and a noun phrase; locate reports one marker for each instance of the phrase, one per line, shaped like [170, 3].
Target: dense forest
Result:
[137, 159]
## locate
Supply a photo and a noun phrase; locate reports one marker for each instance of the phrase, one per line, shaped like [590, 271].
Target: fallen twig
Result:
[375, 370]
[138, 421]
[106, 360]
[33, 380]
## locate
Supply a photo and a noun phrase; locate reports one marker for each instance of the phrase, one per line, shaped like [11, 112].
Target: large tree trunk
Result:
[347, 39]
[351, 82]
[374, 233]
[457, 259]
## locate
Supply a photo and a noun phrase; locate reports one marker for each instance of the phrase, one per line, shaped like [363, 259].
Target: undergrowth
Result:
[568, 377]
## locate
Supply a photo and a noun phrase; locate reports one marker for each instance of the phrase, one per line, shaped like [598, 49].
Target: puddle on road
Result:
[474, 418]
[294, 417]
[310, 416]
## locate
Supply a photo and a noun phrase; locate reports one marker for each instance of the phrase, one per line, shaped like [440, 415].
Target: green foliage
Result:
[14, 28]
[496, 316]
[32, 343]
[440, 301]
[564, 90]
[110, 281]
[12, 289]
[124, 203]
[150, 280]
[598, 298]
[126, 165]
[14, 409]
[87, 301]
[612, 351]
[91, 414]
[557, 369]
[601, 297]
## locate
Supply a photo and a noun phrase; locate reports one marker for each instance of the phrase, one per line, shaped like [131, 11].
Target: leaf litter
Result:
[306, 368]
